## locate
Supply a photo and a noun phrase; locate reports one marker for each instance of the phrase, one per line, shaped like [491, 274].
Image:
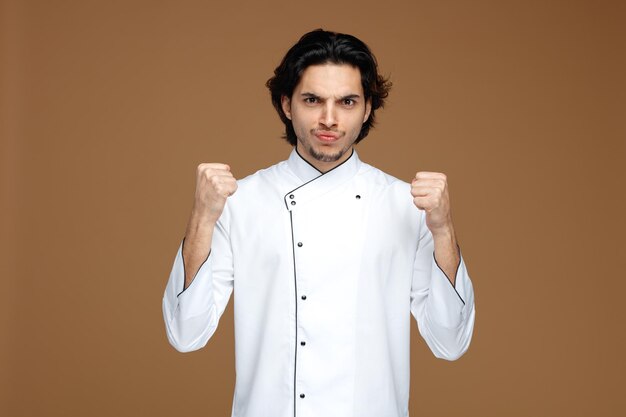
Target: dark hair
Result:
[320, 47]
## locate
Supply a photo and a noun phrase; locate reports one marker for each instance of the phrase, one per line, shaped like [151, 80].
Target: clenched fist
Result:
[214, 184]
[430, 193]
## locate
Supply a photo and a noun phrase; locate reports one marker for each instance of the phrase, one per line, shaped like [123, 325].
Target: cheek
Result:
[302, 117]
[356, 121]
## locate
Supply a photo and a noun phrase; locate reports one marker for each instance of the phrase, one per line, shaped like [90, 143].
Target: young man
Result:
[328, 257]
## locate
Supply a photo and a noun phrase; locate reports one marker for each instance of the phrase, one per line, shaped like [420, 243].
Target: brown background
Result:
[108, 106]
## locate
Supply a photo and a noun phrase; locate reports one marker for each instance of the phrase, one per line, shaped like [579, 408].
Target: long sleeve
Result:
[444, 313]
[192, 315]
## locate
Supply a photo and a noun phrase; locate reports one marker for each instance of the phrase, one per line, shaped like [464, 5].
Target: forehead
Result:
[330, 80]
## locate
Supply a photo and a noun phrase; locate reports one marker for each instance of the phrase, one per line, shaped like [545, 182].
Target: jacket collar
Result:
[314, 182]
[301, 167]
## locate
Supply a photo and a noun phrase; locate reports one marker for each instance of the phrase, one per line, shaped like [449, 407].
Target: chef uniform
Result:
[326, 270]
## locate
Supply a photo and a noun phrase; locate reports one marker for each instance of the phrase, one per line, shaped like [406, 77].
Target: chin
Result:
[326, 155]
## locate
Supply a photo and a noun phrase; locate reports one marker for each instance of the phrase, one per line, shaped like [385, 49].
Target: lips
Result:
[326, 136]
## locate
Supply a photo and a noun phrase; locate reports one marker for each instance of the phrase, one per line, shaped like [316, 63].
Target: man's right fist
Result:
[214, 184]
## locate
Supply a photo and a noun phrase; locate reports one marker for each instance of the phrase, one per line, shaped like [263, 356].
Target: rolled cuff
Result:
[450, 305]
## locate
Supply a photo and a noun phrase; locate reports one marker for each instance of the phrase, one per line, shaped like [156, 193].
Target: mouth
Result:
[326, 136]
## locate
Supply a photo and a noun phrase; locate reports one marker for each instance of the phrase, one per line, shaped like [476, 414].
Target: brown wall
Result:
[107, 107]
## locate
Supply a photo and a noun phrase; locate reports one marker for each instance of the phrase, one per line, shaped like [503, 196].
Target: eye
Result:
[310, 100]
[349, 102]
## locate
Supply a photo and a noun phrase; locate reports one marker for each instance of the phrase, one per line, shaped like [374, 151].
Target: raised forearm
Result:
[214, 184]
[447, 253]
[430, 193]
[197, 244]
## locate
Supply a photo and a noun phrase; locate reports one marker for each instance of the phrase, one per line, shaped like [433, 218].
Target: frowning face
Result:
[327, 110]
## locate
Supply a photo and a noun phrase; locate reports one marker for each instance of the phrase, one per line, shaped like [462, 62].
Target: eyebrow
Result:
[313, 95]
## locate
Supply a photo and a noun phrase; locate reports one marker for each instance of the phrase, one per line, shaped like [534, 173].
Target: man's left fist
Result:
[430, 193]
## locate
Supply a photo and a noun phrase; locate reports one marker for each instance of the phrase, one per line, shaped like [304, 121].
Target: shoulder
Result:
[264, 188]
[389, 194]
[272, 175]
[257, 192]
[379, 179]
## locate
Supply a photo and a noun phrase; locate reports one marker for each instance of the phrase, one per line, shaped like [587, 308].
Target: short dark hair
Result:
[319, 47]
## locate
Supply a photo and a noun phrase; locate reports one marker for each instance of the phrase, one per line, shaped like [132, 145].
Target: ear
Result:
[368, 110]
[286, 105]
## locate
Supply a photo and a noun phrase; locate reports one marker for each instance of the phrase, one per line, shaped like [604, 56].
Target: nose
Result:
[328, 118]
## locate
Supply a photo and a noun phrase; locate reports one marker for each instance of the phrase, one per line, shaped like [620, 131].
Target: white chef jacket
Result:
[326, 270]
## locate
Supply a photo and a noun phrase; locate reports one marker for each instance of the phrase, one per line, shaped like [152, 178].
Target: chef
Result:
[326, 256]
